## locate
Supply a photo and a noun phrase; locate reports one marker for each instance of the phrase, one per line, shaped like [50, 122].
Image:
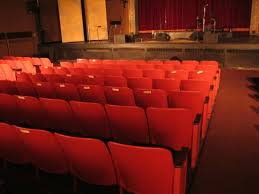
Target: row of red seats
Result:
[8, 68]
[34, 60]
[178, 127]
[113, 95]
[95, 162]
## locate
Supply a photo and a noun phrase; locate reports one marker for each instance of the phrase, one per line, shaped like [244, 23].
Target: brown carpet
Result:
[230, 160]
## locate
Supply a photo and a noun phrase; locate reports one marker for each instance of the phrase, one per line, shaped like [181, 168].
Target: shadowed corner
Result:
[255, 83]
[256, 126]
[2, 187]
[254, 96]
[255, 109]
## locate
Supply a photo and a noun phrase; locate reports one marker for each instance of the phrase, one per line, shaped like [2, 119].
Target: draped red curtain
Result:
[182, 14]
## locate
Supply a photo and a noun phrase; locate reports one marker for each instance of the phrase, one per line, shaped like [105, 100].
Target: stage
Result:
[234, 52]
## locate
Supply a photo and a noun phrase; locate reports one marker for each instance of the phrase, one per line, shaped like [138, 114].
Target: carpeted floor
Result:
[230, 160]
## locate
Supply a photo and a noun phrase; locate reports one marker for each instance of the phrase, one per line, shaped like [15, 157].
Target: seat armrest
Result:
[180, 158]
[207, 99]
[197, 119]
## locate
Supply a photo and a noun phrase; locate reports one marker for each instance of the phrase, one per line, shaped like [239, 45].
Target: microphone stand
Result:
[204, 17]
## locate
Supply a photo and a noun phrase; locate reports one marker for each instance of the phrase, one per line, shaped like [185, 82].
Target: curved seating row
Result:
[95, 162]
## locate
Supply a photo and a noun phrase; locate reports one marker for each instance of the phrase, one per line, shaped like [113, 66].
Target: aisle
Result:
[230, 160]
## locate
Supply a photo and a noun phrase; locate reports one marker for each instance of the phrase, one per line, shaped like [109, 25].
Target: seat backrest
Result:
[154, 73]
[91, 119]
[96, 167]
[113, 72]
[61, 70]
[46, 62]
[11, 145]
[94, 71]
[167, 84]
[8, 107]
[44, 151]
[9, 73]
[171, 127]
[23, 77]
[146, 66]
[94, 80]
[31, 110]
[165, 67]
[136, 172]
[128, 124]
[144, 83]
[37, 77]
[59, 115]
[8, 87]
[119, 96]
[66, 64]
[26, 89]
[192, 100]
[66, 92]
[132, 73]
[202, 75]
[76, 71]
[177, 74]
[2, 74]
[115, 81]
[151, 98]
[196, 85]
[47, 70]
[45, 89]
[55, 78]
[38, 61]
[29, 68]
[75, 79]
[92, 93]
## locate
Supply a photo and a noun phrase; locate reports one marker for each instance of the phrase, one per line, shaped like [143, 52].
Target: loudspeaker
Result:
[31, 7]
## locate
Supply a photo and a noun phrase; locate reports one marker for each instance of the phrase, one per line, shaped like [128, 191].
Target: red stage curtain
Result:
[181, 14]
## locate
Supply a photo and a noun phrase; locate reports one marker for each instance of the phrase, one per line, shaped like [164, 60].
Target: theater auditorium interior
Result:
[129, 97]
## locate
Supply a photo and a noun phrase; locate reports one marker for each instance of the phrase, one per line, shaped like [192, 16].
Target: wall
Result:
[254, 28]
[14, 18]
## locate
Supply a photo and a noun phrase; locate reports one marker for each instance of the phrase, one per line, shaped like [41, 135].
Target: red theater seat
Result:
[81, 65]
[59, 116]
[144, 83]
[26, 89]
[75, 79]
[46, 62]
[37, 77]
[115, 81]
[135, 169]
[177, 74]
[128, 124]
[47, 70]
[23, 77]
[92, 93]
[166, 84]
[165, 67]
[66, 64]
[61, 70]
[45, 89]
[11, 145]
[171, 127]
[9, 73]
[91, 119]
[55, 78]
[119, 96]
[94, 71]
[28, 67]
[8, 87]
[132, 73]
[150, 98]
[8, 107]
[44, 151]
[154, 73]
[146, 66]
[31, 110]
[89, 160]
[94, 80]
[66, 92]
[76, 71]
[112, 72]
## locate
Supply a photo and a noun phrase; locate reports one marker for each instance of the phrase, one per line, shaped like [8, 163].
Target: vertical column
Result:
[96, 19]
[71, 23]
[254, 26]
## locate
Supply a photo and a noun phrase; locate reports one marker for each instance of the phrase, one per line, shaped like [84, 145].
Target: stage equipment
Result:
[161, 36]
